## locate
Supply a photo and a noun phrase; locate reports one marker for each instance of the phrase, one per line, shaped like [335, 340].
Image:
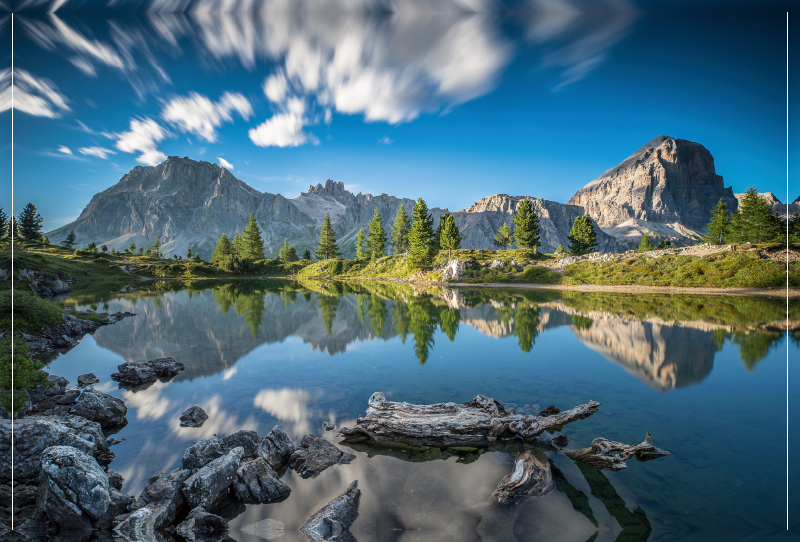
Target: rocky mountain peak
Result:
[330, 188]
[667, 180]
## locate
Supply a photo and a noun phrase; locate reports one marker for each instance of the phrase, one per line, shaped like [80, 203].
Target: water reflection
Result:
[665, 341]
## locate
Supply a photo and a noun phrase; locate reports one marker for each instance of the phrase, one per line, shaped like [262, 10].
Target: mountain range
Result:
[667, 189]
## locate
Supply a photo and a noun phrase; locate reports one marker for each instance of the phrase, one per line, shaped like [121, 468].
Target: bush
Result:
[30, 312]
[27, 374]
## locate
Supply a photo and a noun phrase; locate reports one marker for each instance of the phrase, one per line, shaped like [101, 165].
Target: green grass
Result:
[52, 259]
[722, 270]
[31, 313]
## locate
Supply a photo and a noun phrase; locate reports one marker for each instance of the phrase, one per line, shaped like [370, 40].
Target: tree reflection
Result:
[401, 319]
[327, 309]
[526, 326]
[246, 300]
[754, 346]
[422, 324]
[450, 319]
[376, 308]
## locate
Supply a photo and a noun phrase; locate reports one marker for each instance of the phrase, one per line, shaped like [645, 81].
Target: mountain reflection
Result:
[665, 341]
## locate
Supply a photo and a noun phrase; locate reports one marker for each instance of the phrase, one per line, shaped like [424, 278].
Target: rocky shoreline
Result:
[64, 336]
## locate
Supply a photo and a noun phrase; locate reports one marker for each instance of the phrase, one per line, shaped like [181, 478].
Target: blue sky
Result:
[451, 109]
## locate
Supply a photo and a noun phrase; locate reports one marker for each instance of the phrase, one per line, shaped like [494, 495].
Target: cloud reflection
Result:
[219, 422]
[289, 405]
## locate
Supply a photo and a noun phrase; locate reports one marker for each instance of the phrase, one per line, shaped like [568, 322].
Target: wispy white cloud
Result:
[99, 152]
[385, 140]
[227, 165]
[280, 130]
[33, 95]
[289, 405]
[65, 150]
[143, 137]
[196, 114]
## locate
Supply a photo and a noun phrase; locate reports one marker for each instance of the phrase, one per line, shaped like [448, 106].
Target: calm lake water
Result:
[702, 374]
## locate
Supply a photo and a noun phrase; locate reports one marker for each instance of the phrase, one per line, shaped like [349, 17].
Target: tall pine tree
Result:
[3, 222]
[361, 252]
[156, 252]
[30, 223]
[449, 236]
[376, 238]
[755, 222]
[526, 226]
[222, 251]
[794, 228]
[253, 247]
[582, 237]
[400, 231]
[719, 229]
[69, 242]
[327, 248]
[421, 250]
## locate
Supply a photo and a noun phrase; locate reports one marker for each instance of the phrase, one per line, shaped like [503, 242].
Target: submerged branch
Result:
[531, 478]
[601, 454]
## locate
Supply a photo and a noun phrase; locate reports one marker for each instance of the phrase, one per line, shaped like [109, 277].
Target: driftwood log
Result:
[602, 453]
[476, 423]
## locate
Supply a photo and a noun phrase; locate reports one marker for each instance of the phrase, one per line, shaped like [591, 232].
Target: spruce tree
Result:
[327, 248]
[69, 242]
[188, 253]
[156, 250]
[794, 228]
[253, 247]
[13, 229]
[421, 250]
[307, 255]
[104, 248]
[131, 247]
[291, 254]
[400, 231]
[504, 237]
[284, 251]
[755, 222]
[449, 236]
[30, 223]
[719, 229]
[222, 251]
[646, 245]
[582, 237]
[376, 238]
[526, 226]
[361, 253]
[3, 222]
[664, 245]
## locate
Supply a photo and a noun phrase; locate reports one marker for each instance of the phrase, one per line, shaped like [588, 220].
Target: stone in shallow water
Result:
[328, 426]
[164, 496]
[193, 417]
[276, 448]
[208, 485]
[268, 529]
[200, 525]
[333, 520]
[148, 371]
[256, 483]
[203, 452]
[315, 455]
[88, 379]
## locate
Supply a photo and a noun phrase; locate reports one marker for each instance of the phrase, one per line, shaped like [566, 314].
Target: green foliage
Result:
[526, 326]
[581, 322]
[252, 248]
[26, 372]
[225, 257]
[526, 226]
[13, 230]
[376, 308]
[794, 228]
[307, 255]
[582, 237]
[376, 239]
[291, 254]
[561, 251]
[645, 245]
[755, 221]
[131, 247]
[719, 229]
[3, 222]
[104, 248]
[421, 249]
[448, 234]
[400, 231]
[31, 313]
[361, 252]
[69, 242]
[448, 322]
[422, 325]
[504, 237]
[156, 249]
[327, 248]
[30, 223]
[327, 310]
[283, 251]
[188, 252]
[664, 245]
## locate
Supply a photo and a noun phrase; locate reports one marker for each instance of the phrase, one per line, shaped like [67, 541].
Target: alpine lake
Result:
[705, 375]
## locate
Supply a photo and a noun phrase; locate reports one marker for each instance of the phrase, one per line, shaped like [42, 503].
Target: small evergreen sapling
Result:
[449, 236]
[504, 237]
[582, 237]
[645, 245]
[719, 229]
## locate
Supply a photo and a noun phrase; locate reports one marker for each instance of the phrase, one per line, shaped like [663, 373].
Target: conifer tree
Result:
[504, 237]
[92, 246]
[719, 229]
[400, 231]
[253, 248]
[755, 221]
[361, 253]
[582, 237]
[69, 242]
[664, 245]
[449, 236]
[222, 251]
[421, 250]
[376, 238]
[307, 255]
[131, 247]
[13, 230]
[794, 228]
[156, 250]
[283, 253]
[188, 253]
[3, 222]
[526, 226]
[291, 254]
[645, 245]
[238, 246]
[327, 248]
[30, 223]
[104, 248]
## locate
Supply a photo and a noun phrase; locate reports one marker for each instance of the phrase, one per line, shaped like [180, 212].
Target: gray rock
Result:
[88, 379]
[328, 426]
[203, 452]
[193, 417]
[208, 485]
[200, 525]
[93, 405]
[73, 489]
[256, 483]
[163, 494]
[45, 284]
[333, 520]
[115, 479]
[120, 504]
[147, 371]
[315, 455]
[496, 264]
[138, 526]
[276, 448]
[34, 434]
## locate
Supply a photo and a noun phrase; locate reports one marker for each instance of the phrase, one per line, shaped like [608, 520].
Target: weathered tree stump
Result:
[601, 454]
[477, 423]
